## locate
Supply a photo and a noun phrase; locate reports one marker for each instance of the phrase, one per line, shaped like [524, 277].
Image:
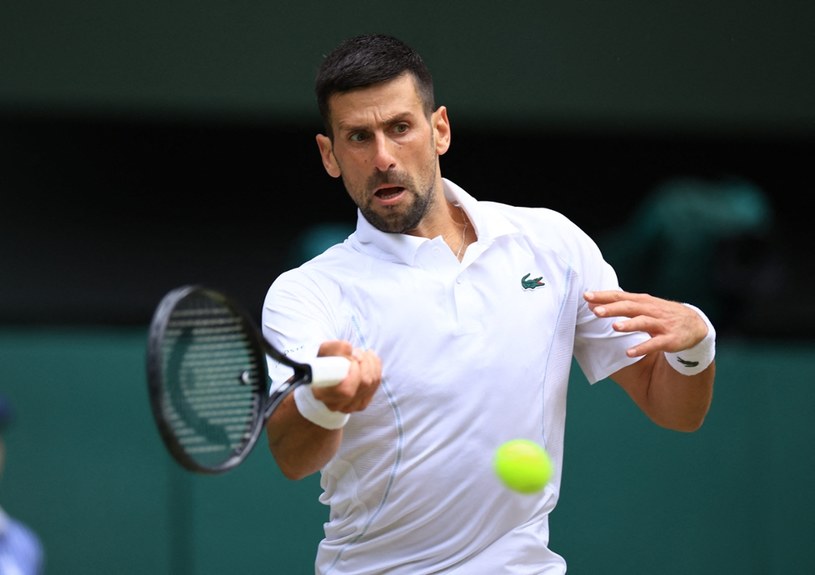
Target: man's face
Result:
[386, 151]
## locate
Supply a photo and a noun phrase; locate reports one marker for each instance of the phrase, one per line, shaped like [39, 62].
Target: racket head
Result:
[207, 379]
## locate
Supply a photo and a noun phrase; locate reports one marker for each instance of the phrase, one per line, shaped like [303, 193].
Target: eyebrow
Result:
[395, 119]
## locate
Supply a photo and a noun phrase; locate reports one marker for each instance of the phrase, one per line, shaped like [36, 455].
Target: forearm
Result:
[299, 447]
[672, 382]
[683, 381]
[669, 398]
[676, 401]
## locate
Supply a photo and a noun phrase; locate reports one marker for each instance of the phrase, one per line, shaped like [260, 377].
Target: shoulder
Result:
[321, 276]
[531, 218]
[543, 228]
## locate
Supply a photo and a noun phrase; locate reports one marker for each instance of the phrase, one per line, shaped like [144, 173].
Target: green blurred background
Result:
[679, 134]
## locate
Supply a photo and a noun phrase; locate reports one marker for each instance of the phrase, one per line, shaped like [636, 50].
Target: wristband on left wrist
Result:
[697, 358]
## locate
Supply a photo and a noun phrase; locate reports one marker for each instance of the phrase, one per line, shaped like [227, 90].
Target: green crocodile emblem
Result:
[527, 283]
[687, 363]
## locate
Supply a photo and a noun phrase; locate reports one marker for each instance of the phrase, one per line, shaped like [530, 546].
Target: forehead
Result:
[376, 103]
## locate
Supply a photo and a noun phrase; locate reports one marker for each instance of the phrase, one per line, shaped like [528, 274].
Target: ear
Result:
[441, 130]
[327, 154]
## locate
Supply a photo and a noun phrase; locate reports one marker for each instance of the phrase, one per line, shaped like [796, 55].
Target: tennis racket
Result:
[208, 378]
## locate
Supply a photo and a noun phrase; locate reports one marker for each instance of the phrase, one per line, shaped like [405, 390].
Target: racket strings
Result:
[212, 399]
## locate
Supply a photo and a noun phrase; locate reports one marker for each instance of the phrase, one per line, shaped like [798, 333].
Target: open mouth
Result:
[389, 192]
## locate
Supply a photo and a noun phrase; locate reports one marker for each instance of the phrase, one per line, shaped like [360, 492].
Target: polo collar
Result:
[488, 224]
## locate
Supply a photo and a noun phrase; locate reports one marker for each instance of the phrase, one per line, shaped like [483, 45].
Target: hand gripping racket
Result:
[208, 379]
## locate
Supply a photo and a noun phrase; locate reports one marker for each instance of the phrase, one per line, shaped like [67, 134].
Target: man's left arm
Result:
[673, 382]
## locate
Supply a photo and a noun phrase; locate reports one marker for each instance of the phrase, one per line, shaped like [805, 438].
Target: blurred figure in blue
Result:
[21, 552]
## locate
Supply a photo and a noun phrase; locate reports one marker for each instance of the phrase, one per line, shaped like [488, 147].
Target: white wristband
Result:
[700, 356]
[315, 410]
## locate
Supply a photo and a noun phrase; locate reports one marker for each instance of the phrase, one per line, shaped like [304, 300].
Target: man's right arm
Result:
[299, 446]
[302, 447]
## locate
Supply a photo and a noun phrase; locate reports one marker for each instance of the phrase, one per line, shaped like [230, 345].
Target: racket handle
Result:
[328, 370]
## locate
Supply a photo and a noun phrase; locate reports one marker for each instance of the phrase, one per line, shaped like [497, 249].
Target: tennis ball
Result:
[523, 465]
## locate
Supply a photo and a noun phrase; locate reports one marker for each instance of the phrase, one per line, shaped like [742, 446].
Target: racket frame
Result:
[260, 348]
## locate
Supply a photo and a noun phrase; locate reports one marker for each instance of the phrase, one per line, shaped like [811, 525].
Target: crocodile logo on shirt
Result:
[687, 363]
[527, 283]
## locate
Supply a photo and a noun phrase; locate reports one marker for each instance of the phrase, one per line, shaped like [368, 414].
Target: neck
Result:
[463, 222]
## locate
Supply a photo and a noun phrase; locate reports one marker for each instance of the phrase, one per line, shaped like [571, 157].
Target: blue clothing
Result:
[21, 551]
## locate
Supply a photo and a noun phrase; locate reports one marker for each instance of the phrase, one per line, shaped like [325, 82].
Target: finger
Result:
[356, 391]
[610, 296]
[340, 396]
[646, 323]
[370, 372]
[655, 344]
[617, 309]
[645, 307]
[602, 302]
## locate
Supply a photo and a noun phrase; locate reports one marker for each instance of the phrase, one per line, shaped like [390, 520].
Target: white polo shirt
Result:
[474, 353]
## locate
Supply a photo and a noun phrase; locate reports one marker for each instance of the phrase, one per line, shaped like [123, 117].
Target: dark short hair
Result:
[367, 60]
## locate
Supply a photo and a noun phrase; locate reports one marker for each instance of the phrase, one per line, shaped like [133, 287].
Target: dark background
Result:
[148, 144]
[105, 214]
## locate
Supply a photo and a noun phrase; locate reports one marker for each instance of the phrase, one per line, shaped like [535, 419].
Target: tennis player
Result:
[461, 318]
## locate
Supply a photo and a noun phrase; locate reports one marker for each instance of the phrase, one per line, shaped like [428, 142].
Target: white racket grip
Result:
[329, 370]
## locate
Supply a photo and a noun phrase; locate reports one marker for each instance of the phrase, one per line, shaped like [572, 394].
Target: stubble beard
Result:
[398, 219]
[409, 214]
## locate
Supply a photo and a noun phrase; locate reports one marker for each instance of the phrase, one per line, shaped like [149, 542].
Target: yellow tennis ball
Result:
[523, 465]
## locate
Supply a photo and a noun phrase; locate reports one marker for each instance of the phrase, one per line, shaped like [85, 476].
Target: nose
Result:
[384, 159]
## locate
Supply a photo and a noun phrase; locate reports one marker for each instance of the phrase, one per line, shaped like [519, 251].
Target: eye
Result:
[357, 136]
[401, 128]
